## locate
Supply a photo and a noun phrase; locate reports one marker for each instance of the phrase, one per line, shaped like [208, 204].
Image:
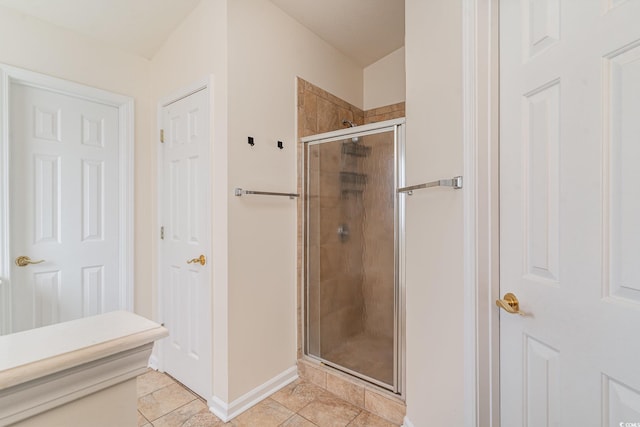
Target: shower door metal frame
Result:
[397, 127]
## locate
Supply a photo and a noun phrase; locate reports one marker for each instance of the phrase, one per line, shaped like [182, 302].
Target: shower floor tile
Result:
[369, 355]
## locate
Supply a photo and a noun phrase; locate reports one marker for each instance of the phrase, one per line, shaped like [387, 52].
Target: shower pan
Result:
[353, 239]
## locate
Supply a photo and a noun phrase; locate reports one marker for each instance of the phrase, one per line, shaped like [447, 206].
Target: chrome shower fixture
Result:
[349, 123]
[343, 232]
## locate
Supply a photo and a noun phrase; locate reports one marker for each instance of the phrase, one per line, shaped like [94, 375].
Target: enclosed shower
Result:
[353, 244]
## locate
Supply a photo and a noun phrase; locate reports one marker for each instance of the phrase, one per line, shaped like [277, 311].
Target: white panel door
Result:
[64, 205]
[186, 218]
[570, 212]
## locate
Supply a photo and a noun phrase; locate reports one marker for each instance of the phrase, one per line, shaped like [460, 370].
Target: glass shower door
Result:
[351, 254]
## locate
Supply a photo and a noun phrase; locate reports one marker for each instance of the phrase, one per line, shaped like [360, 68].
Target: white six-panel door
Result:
[186, 218]
[570, 212]
[64, 207]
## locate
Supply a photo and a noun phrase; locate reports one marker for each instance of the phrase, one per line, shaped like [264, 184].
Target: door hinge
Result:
[161, 135]
[162, 233]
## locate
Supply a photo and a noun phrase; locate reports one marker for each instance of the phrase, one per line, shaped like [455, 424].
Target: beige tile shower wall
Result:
[388, 112]
[378, 237]
[353, 283]
[334, 265]
[378, 226]
[319, 111]
[312, 247]
[336, 282]
[341, 301]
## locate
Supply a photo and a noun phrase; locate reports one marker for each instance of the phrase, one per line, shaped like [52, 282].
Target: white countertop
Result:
[42, 351]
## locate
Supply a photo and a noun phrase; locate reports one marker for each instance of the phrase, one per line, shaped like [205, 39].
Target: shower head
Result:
[349, 123]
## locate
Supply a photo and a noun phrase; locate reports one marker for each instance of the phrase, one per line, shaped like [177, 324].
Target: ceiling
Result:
[365, 30]
[115, 22]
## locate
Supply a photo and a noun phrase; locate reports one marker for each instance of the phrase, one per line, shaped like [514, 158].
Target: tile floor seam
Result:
[145, 418]
[354, 418]
[154, 391]
[158, 389]
[167, 413]
[173, 410]
[310, 402]
[301, 409]
[285, 421]
[288, 419]
[302, 416]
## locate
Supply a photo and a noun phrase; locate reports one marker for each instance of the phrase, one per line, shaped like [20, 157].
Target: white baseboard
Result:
[227, 411]
[407, 423]
[153, 362]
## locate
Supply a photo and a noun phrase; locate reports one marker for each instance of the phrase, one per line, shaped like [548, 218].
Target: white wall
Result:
[254, 251]
[44, 48]
[267, 50]
[434, 222]
[255, 53]
[384, 81]
[195, 51]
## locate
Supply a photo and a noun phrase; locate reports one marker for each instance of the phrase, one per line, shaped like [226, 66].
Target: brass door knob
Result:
[201, 259]
[23, 261]
[510, 304]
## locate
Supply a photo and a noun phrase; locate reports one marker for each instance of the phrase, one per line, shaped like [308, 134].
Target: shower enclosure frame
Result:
[397, 126]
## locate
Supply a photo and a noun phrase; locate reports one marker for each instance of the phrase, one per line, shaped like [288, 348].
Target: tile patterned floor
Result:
[163, 402]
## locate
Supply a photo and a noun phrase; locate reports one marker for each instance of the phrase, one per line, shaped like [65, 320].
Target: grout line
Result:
[186, 388]
[145, 418]
[180, 407]
[170, 412]
[354, 418]
[285, 421]
[301, 409]
[185, 404]
[302, 416]
[159, 388]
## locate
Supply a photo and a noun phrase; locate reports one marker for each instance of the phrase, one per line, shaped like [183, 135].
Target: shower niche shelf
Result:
[352, 183]
[357, 150]
[353, 178]
[349, 192]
